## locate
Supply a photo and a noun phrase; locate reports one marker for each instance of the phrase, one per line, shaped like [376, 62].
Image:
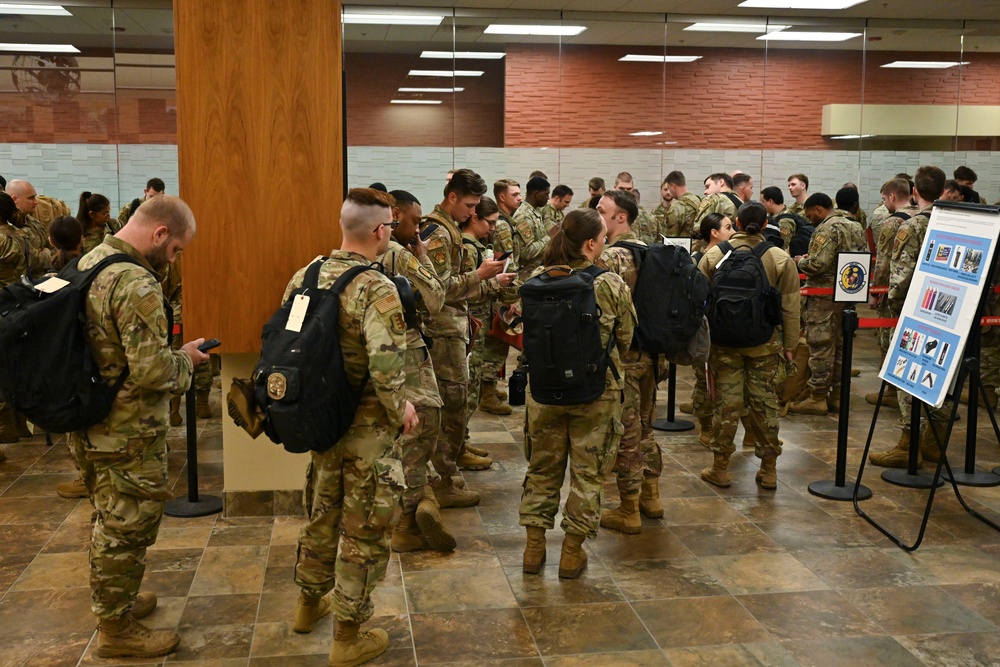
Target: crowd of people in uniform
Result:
[385, 482]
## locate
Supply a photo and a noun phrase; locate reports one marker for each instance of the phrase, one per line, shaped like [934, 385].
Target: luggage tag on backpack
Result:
[300, 305]
[51, 285]
[724, 258]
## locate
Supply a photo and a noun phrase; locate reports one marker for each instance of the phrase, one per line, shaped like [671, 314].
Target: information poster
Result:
[940, 308]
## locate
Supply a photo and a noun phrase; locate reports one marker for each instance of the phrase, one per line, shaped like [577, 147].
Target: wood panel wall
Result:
[259, 125]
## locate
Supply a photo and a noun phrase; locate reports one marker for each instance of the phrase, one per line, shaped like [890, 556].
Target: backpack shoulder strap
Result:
[311, 279]
[475, 246]
[902, 215]
[638, 251]
[725, 247]
[761, 248]
[85, 277]
[734, 198]
[593, 271]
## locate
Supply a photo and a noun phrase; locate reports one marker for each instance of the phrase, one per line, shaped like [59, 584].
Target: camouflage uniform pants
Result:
[351, 500]
[476, 365]
[884, 335]
[825, 338]
[494, 358]
[704, 406]
[652, 458]
[586, 438]
[417, 450]
[128, 491]
[742, 380]
[629, 462]
[452, 370]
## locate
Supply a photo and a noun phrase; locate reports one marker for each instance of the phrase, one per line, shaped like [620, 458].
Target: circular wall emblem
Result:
[853, 277]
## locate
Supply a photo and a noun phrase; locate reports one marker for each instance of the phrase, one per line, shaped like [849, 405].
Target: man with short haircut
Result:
[952, 191]
[849, 204]
[450, 328]
[154, 188]
[834, 234]
[774, 203]
[719, 198]
[30, 228]
[595, 187]
[353, 489]
[645, 226]
[743, 186]
[127, 328]
[798, 188]
[679, 221]
[538, 174]
[529, 232]
[507, 193]
[660, 212]
[555, 210]
[967, 177]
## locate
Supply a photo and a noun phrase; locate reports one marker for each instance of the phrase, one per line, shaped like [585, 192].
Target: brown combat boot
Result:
[649, 498]
[75, 489]
[929, 449]
[573, 559]
[624, 518]
[855, 372]
[706, 431]
[501, 393]
[833, 401]
[814, 404]
[126, 637]
[449, 494]
[767, 476]
[175, 411]
[352, 647]
[898, 456]
[432, 526]
[144, 605]
[534, 551]
[310, 610]
[8, 426]
[201, 404]
[888, 398]
[469, 461]
[490, 402]
[718, 474]
[406, 536]
[686, 408]
[476, 451]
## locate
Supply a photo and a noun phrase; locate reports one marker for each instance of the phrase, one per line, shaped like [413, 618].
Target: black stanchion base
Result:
[675, 425]
[996, 471]
[828, 489]
[977, 478]
[900, 477]
[184, 508]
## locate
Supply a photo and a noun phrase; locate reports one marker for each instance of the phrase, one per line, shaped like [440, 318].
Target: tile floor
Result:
[728, 577]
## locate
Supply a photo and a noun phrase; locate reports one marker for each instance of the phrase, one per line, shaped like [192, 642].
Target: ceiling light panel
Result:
[757, 28]
[464, 55]
[431, 90]
[39, 48]
[800, 4]
[445, 72]
[922, 64]
[393, 19]
[537, 30]
[33, 10]
[799, 36]
[415, 102]
[640, 58]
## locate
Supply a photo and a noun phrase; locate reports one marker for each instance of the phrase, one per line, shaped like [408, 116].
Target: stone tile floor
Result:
[728, 577]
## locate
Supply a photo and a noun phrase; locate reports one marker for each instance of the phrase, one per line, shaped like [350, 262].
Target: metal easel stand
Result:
[193, 505]
[669, 423]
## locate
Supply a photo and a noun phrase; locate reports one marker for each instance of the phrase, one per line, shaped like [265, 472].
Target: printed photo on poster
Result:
[973, 260]
[928, 379]
[941, 300]
[900, 367]
[955, 256]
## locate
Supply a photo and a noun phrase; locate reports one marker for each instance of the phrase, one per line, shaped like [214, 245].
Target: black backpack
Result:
[299, 382]
[772, 234]
[744, 308]
[799, 245]
[47, 370]
[567, 364]
[670, 297]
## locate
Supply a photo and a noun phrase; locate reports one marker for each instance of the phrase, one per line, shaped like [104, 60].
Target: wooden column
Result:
[260, 153]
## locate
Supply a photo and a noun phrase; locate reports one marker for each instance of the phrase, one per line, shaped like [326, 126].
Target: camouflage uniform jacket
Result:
[50, 208]
[614, 302]
[551, 217]
[444, 247]
[883, 244]
[94, 237]
[876, 219]
[835, 234]
[372, 336]
[37, 236]
[489, 290]
[660, 215]
[421, 384]
[621, 261]
[681, 216]
[127, 327]
[502, 238]
[786, 226]
[905, 254]
[783, 275]
[797, 209]
[124, 214]
[717, 203]
[645, 227]
[13, 254]
[530, 239]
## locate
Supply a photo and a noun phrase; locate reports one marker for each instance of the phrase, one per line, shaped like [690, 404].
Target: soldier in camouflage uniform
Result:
[31, 230]
[774, 203]
[595, 187]
[154, 188]
[719, 198]
[94, 214]
[353, 489]
[123, 459]
[530, 233]
[50, 208]
[619, 212]
[13, 264]
[798, 188]
[750, 376]
[584, 437]
[905, 255]
[555, 209]
[680, 217]
[660, 212]
[822, 316]
[450, 328]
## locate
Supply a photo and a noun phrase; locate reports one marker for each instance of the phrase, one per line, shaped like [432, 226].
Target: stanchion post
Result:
[969, 476]
[669, 423]
[911, 477]
[193, 505]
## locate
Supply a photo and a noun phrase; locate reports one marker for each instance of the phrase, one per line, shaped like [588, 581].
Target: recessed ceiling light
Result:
[666, 143]
[854, 136]
[645, 133]
[445, 72]
[467, 55]
[542, 30]
[736, 27]
[415, 102]
[639, 58]
[801, 4]
[39, 48]
[431, 90]
[393, 19]
[922, 64]
[33, 10]
[799, 36]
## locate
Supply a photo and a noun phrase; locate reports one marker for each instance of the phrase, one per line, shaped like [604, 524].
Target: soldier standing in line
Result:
[680, 217]
[555, 210]
[595, 187]
[529, 233]
[154, 188]
[13, 264]
[94, 214]
[798, 188]
[719, 198]
[743, 186]
[33, 231]
[123, 459]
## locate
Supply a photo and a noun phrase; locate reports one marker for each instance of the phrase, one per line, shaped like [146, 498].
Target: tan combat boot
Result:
[406, 536]
[8, 426]
[352, 647]
[718, 474]
[814, 404]
[476, 451]
[573, 559]
[126, 637]
[649, 498]
[501, 393]
[833, 401]
[490, 402]
[310, 610]
[929, 449]
[898, 456]
[432, 526]
[767, 476]
[449, 494]
[888, 398]
[624, 518]
[144, 605]
[75, 489]
[706, 431]
[175, 411]
[201, 404]
[469, 461]
[534, 551]
[686, 408]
